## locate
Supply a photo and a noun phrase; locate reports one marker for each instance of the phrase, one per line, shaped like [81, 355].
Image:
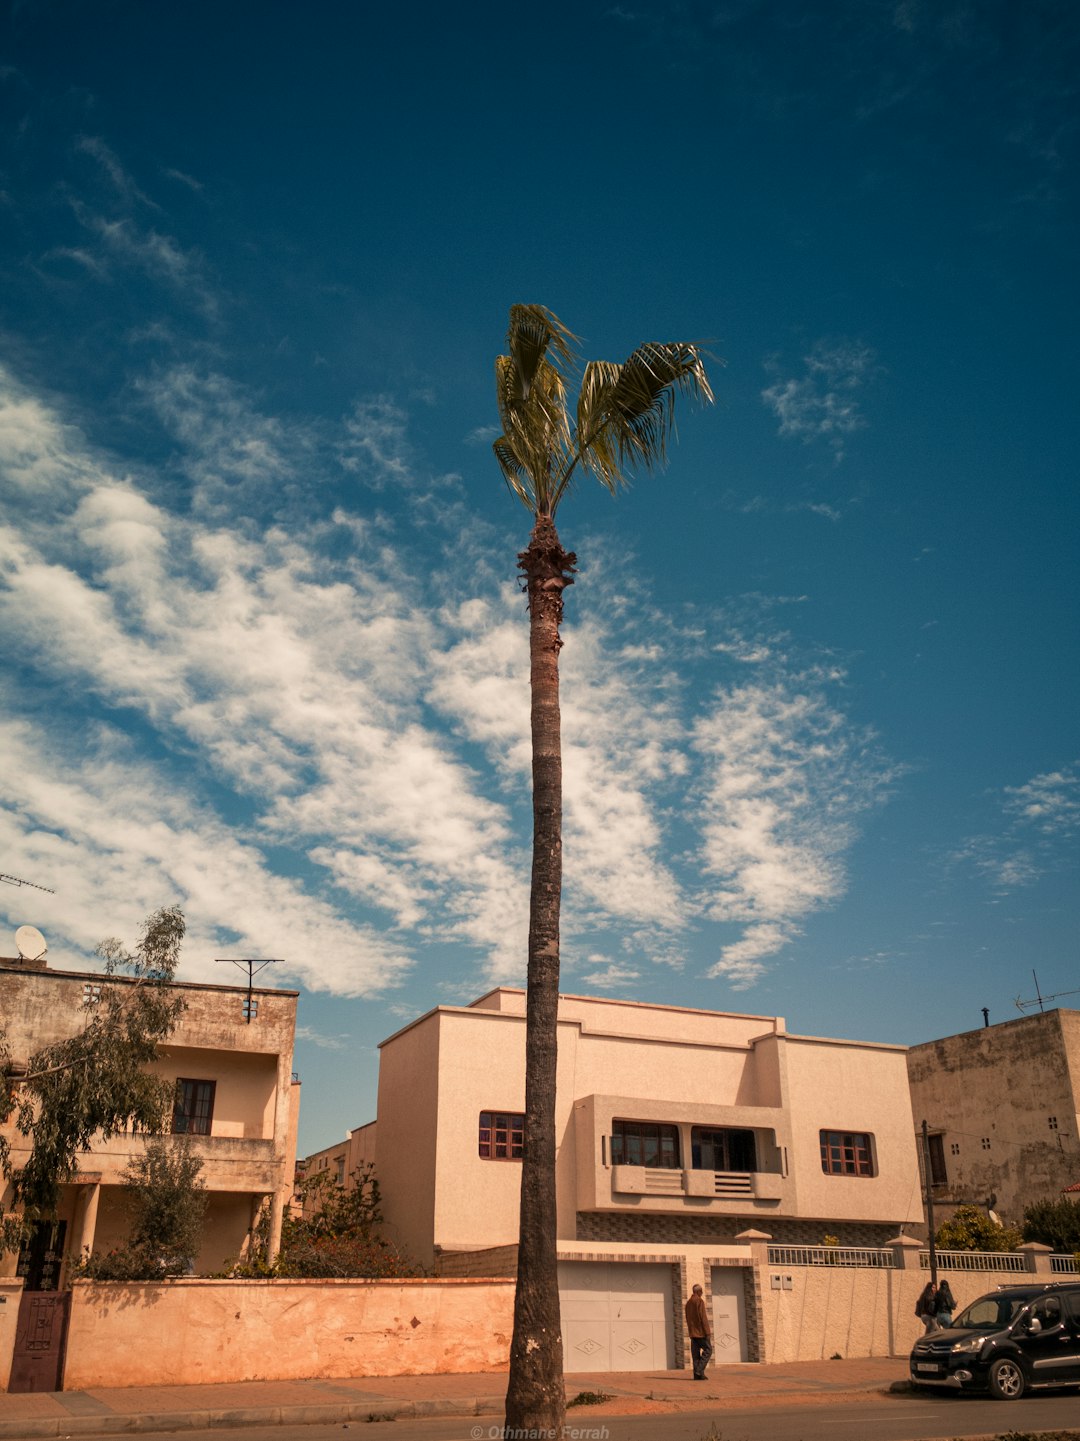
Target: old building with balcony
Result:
[236, 1098]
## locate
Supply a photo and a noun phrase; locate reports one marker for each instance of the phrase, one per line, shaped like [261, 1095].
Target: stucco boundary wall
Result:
[821, 1311]
[193, 1332]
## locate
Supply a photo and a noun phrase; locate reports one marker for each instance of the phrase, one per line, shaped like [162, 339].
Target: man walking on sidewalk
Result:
[697, 1323]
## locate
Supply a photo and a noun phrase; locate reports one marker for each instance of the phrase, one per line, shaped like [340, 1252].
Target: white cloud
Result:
[1037, 817]
[785, 777]
[1050, 802]
[303, 686]
[823, 403]
[611, 976]
[116, 840]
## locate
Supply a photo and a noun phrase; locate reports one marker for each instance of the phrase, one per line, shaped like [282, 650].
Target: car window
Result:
[1047, 1312]
[989, 1313]
[1072, 1307]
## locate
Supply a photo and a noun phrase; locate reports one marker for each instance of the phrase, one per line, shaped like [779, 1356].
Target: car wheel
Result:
[1006, 1379]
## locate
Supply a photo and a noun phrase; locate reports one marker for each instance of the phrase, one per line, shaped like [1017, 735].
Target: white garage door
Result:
[616, 1316]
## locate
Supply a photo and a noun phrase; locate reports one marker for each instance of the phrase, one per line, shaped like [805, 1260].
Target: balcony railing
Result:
[714, 1185]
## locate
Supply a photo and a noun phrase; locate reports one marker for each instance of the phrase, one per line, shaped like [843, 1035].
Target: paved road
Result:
[894, 1418]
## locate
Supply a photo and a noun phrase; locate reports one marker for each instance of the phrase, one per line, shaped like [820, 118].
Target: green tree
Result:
[337, 1233]
[623, 419]
[166, 1206]
[1054, 1223]
[971, 1229]
[93, 1084]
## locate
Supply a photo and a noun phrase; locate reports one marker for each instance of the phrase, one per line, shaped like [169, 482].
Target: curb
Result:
[311, 1415]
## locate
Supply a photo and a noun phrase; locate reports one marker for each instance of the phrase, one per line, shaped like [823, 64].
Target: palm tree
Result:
[624, 417]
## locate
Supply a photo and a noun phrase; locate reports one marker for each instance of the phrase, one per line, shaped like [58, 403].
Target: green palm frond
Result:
[631, 414]
[514, 473]
[533, 332]
[625, 413]
[536, 442]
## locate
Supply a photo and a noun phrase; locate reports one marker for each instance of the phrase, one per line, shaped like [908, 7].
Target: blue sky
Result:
[265, 653]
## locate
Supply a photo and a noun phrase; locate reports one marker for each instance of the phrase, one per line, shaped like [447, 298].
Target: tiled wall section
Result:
[660, 1230]
[496, 1261]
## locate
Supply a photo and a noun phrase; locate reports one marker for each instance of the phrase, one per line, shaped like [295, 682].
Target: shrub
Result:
[1054, 1223]
[971, 1229]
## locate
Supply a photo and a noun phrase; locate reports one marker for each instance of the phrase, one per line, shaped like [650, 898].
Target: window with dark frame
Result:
[939, 1175]
[645, 1143]
[193, 1108]
[502, 1136]
[715, 1149]
[846, 1153]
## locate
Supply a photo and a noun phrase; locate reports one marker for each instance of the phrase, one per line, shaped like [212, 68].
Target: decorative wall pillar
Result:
[906, 1251]
[1037, 1257]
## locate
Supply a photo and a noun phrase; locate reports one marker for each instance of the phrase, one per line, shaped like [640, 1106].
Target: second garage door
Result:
[616, 1316]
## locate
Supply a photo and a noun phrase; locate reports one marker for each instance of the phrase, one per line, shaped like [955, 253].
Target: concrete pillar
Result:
[906, 1251]
[89, 1199]
[276, 1212]
[1037, 1257]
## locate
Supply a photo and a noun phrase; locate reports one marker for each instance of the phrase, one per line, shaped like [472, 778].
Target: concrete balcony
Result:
[738, 1186]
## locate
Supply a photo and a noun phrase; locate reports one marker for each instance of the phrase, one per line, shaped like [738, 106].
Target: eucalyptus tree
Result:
[623, 419]
[94, 1083]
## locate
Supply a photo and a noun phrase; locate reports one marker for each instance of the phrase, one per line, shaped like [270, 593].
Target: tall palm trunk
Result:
[536, 1398]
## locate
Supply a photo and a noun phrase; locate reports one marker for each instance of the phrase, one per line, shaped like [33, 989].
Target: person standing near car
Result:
[926, 1306]
[697, 1323]
[946, 1305]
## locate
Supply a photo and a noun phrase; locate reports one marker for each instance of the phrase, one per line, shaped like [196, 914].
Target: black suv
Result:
[1007, 1342]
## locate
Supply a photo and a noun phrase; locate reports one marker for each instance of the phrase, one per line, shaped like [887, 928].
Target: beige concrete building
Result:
[685, 1139]
[1001, 1105]
[342, 1161]
[237, 1099]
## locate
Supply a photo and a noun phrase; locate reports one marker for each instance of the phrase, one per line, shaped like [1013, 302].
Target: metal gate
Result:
[38, 1362]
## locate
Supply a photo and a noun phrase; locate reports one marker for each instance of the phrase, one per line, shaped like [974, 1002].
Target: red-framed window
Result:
[193, 1108]
[645, 1143]
[847, 1153]
[502, 1136]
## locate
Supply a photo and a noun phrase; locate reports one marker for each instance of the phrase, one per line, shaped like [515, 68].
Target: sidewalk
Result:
[270, 1403]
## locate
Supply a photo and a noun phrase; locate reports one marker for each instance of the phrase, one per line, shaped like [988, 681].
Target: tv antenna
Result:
[17, 881]
[1040, 998]
[254, 966]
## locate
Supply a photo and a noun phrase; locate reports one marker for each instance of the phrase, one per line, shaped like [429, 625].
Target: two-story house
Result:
[236, 1098]
[680, 1133]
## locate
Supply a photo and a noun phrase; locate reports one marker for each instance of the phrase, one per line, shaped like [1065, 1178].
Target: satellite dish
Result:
[30, 943]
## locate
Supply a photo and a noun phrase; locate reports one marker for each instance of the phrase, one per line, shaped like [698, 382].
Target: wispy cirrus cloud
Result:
[1037, 818]
[302, 689]
[785, 776]
[823, 402]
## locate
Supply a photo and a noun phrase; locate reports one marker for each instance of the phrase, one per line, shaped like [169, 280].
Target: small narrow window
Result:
[193, 1109]
[1053, 1122]
[502, 1136]
[91, 993]
[939, 1175]
[846, 1153]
